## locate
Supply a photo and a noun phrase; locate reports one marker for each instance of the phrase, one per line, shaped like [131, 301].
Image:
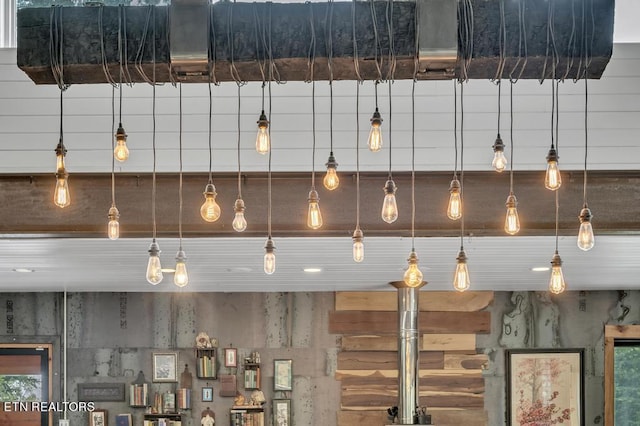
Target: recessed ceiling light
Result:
[312, 270]
[168, 270]
[23, 270]
[540, 268]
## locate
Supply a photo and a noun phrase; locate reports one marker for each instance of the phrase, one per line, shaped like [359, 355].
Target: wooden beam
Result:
[440, 301]
[26, 205]
[290, 37]
[354, 322]
[385, 360]
[440, 417]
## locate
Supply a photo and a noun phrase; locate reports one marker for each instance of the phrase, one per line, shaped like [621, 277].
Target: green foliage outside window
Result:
[627, 391]
[20, 388]
[48, 3]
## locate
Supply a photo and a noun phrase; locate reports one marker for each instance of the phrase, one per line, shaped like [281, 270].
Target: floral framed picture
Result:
[281, 412]
[230, 357]
[545, 387]
[165, 367]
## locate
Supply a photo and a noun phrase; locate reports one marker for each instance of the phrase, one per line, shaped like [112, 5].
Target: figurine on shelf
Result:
[257, 398]
[208, 418]
[203, 341]
[239, 399]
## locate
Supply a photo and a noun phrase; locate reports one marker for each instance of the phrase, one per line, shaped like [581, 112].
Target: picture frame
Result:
[545, 384]
[165, 367]
[282, 375]
[124, 420]
[207, 394]
[281, 410]
[231, 357]
[98, 417]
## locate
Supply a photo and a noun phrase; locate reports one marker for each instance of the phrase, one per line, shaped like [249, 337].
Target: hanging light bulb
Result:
[113, 228]
[499, 162]
[552, 179]
[556, 283]
[61, 195]
[263, 141]
[181, 278]
[375, 134]
[358, 245]
[389, 205]
[269, 257]
[331, 180]
[210, 210]
[512, 221]
[154, 269]
[121, 152]
[586, 240]
[413, 275]
[239, 222]
[461, 280]
[314, 217]
[454, 210]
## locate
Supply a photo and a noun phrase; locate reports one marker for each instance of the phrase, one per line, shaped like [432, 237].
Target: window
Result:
[622, 374]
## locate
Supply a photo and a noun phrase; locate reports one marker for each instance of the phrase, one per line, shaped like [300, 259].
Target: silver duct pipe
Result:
[408, 351]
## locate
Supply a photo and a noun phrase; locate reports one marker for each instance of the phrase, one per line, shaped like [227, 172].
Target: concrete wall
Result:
[111, 336]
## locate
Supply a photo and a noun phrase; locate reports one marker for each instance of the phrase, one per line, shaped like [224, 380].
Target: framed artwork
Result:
[281, 412]
[98, 417]
[165, 367]
[230, 357]
[123, 420]
[282, 375]
[207, 394]
[545, 386]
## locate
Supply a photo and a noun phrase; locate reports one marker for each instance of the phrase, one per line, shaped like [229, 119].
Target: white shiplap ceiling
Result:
[29, 117]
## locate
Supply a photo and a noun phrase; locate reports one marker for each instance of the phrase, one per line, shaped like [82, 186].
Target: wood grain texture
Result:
[383, 396]
[439, 417]
[466, 361]
[473, 384]
[436, 301]
[449, 342]
[385, 360]
[376, 322]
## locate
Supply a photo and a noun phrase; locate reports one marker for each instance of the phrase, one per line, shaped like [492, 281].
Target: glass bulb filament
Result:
[210, 210]
[154, 268]
[461, 281]
[512, 221]
[358, 245]
[61, 194]
[331, 180]
[586, 240]
[499, 162]
[413, 276]
[181, 278]
[239, 222]
[389, 205]
[269, 257]
[552, 179]
[314, 216]
[113, 227]
[121, 152]
[375, 134]
[454, 209]
[263, 140]
[556, 282]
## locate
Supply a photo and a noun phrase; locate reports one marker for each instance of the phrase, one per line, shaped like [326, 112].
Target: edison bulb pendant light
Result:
[121, 152]
[389, 205]
[461, 281]
[413, 275]
[154, 269]
[512, 221]
[552, 179]
[263, 140]
[375, 134]
[331, 180]
[499, 162]
[113, 228]
[358, 245]
[61, 195]
[181, 278]
[210, 210]
[239, 222]
[314, 216]
[269, 257]
[586, 240]
[556, 283]
[454, 209]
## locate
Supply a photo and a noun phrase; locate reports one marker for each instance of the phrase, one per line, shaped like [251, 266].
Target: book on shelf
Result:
[206, 366]
[184, 399]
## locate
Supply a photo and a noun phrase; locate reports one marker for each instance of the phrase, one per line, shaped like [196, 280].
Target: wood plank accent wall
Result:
[451, 381]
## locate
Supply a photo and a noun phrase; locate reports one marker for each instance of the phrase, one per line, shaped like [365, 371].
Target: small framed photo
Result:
[545, 386]
[98, 417]
[165, 367]
[282, 375]
[124, 420]
[207, 394]
[281, 412]
[230, 357]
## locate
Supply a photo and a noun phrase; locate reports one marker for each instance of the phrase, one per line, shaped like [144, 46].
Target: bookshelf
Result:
[162, 419]
[206, 363]
[252, 379]
[246, 415]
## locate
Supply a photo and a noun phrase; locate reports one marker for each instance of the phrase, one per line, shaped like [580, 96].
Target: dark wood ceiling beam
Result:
[291, 35]
[27, 209]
